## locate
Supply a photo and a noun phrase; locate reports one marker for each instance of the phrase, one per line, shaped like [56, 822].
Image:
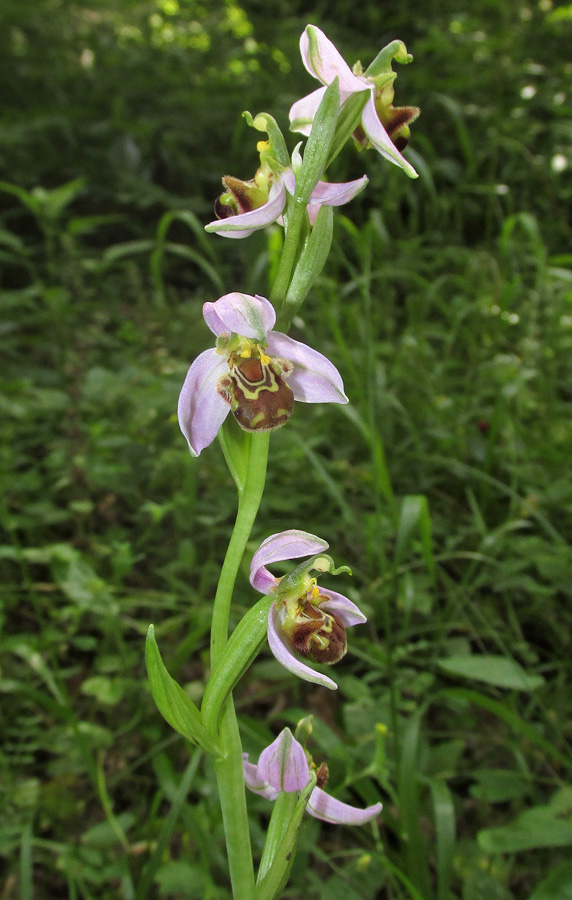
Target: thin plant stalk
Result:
[228, 769]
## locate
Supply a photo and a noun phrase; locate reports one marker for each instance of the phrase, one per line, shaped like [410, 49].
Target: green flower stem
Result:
[247, 509]
[232, 794]
[281, 284]
[228, 769]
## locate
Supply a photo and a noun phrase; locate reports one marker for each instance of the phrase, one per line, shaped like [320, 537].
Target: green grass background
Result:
[446, 304]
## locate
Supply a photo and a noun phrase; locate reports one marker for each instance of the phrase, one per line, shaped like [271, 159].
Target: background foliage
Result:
[447, 305]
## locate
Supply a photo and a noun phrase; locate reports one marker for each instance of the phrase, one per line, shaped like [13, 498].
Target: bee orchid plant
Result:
[257, 372]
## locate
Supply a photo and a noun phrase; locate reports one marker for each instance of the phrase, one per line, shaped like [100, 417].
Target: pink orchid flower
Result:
[242, 224]
[253, 372]
[284, 766]
[380, 120]
[304, 618]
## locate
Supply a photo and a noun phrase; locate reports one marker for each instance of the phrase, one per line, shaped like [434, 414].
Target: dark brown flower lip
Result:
[320, 634]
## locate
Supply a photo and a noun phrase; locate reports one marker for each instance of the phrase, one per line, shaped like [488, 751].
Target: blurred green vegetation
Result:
[446, 304]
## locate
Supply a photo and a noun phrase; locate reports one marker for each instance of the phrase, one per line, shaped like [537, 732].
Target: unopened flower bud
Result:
[304, 729]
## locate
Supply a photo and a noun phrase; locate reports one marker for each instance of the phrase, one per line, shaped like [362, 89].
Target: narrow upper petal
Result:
[302, 112]
[314, 378]
[291, 544]
[201, 409]
[251, 317]
[380, 139]
[331, 194]
[324, 62]
[286, 658]
[322, 806]
[284, 765]
[240, 226]
[334, 194]
[344, 610]
[253, 781]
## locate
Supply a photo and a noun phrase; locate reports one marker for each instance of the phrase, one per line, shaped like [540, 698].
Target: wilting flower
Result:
[304, 618]
[247, 206]
[383, 126]
[284, 766]
[253, 372]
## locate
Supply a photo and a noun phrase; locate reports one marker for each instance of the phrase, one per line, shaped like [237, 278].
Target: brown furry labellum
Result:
[318, 633]
[396, 121]
[259, 398]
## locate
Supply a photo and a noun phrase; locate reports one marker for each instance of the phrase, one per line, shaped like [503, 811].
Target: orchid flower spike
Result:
[248, 206]
[383, 126]
[284, 766]
[304, 618]
[253, 372]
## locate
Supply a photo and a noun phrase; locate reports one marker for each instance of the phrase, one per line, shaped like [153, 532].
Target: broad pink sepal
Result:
[201, 409]
[283, 765]
[237, 313]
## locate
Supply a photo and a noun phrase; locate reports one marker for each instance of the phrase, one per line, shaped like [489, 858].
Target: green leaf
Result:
[39, 666]
[498, 785]
[89, 224]
[199, 257]
[500, 671]
[26, 865]
[510, 718]
[53, 202]
[107, 690]
[312, 261]
[26, 197]
[557, 885]
[540, 826]
[282, 811]
[348, 120]
[318, 144]
[414, 518]
[122, 251]
[103, 834]
[271, 884]
[481, 885]
[13, 241]
[174, 705]
[176, 877]
[235, 444]
[409, 788]
[45, 204]
[241, 649]
[444, 814]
